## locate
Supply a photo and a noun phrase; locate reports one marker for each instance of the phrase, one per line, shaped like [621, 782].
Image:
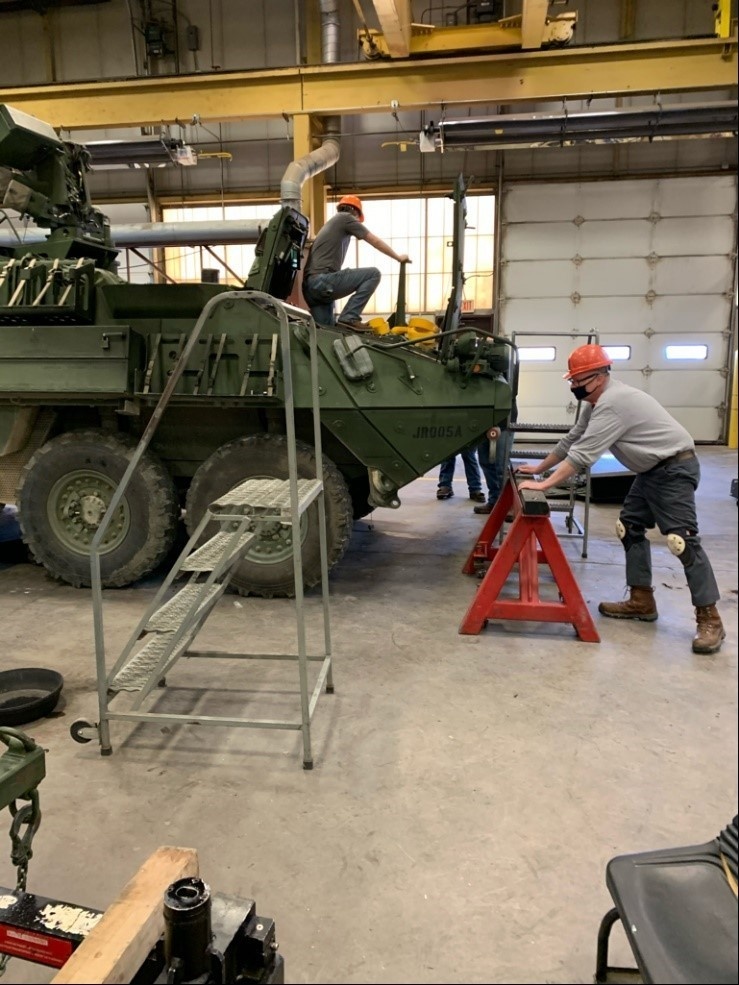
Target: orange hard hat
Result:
[355, 203]
[585, 358]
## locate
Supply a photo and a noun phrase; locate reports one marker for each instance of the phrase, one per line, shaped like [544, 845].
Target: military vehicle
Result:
[85, 357]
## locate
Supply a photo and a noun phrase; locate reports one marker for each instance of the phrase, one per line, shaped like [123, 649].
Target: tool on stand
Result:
[208, 938]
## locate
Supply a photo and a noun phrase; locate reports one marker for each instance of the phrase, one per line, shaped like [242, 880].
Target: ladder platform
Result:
[210, 554]
[271, 497]
[541, 428]
[529, 453]
[134, 675]
[170, 616]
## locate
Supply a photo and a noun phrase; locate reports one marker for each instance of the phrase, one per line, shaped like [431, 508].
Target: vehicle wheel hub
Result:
[76, 507]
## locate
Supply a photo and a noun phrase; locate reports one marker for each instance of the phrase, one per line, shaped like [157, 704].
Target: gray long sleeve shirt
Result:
[630, 424]
[329, 248]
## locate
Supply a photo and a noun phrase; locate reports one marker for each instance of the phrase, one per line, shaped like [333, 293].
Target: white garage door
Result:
[647, 264]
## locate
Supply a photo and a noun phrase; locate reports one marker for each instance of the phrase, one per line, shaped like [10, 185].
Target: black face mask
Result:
[581, 392]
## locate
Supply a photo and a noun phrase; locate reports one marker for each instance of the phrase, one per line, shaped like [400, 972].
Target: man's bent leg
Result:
[361, 284]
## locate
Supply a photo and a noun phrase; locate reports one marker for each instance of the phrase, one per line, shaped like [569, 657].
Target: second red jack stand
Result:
[531, 529]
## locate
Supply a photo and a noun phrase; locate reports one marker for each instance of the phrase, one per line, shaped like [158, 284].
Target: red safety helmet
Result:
[586, 358]
[355, 202]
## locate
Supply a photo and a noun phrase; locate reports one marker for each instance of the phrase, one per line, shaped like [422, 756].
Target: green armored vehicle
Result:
[85, 357]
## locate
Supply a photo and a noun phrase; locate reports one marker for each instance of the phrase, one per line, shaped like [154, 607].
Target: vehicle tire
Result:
[267, 569]
[63, 493]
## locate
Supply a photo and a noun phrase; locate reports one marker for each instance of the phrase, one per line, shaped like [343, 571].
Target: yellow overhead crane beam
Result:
[341, 89]
[510, 32]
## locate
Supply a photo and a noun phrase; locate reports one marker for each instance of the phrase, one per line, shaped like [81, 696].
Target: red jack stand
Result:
[531, 524]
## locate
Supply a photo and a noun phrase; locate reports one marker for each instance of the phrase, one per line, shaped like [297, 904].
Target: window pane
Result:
[618, 351]
[421, 227]
[536, 353]
[686, 351]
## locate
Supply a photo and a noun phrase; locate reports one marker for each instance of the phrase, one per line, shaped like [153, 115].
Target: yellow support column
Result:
[734, 410]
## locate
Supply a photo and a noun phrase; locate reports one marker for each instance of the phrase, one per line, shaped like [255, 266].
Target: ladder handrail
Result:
[151, 427]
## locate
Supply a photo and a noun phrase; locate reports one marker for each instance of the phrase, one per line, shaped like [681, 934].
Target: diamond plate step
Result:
[134, 675]
[170, 616]
[207, 557]
[541, 428]
[271, 496]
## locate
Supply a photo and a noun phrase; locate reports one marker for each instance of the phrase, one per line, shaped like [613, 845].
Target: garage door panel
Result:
[696, 196]
[541, 240]
[695, 274]
[541, 315]
[619, 200]
[653, 266]
[615, 238]
[542, 203]
[690, 314]
[715, 356]
[703, 424]
[614, 318]
[545, 388]
[652, 352]
[544, 278]
[620, 277]
[695, 388]
[697, 235]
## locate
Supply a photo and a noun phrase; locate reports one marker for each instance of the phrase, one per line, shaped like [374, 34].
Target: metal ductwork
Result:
[298, 172]
[145, 235]
[564, 129]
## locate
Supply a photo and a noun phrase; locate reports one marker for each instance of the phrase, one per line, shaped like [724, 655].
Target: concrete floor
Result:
[468, 790]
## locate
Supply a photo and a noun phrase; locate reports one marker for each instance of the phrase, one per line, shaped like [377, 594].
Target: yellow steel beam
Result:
[429, 40]
[350, 89]
[534, 16]
[722, 18]
[395, 23]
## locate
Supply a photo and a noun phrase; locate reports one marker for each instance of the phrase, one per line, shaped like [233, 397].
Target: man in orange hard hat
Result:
[323, 279]
[650, 442]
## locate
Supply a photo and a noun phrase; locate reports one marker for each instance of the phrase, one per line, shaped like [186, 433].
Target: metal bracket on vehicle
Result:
[383, 491]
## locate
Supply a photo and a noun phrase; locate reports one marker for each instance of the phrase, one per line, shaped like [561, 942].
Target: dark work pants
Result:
[665, 497]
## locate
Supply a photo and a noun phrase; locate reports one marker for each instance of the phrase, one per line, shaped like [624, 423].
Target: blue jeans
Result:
[495, 471]
[321, 290]
[471, 471]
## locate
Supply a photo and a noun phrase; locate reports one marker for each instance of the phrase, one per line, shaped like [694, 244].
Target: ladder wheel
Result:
[77, 728]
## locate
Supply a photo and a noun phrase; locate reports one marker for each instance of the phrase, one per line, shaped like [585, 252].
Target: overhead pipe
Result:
[605, 126]
[145, 235]
[318, 160]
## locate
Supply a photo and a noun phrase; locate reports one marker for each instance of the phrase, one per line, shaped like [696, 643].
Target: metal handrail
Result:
[148, 433]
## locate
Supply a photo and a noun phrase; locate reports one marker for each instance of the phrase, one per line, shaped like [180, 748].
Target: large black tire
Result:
[63, 493]
[267, 569]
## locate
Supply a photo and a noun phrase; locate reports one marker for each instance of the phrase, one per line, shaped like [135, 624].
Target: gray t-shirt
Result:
[330, 245]
[627, 422]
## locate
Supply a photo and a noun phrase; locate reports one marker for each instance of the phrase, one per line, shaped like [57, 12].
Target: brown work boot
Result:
[640, 605]
[710, 631]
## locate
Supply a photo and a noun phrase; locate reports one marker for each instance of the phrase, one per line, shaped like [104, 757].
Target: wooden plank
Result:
[119, 943]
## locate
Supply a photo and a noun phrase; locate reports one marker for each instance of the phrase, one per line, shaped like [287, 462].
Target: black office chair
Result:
[678, 908]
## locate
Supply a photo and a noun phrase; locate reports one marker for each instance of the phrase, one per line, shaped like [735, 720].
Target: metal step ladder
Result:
[167, 629]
